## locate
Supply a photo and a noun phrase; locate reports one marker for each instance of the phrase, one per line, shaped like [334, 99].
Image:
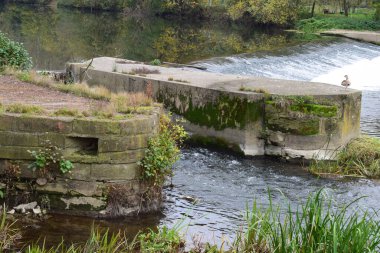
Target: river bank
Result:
[365, 36]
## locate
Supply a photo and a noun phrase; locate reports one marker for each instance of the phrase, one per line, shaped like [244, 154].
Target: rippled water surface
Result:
[221, 184]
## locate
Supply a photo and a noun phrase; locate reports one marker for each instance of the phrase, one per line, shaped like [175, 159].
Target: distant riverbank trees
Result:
[266, 12]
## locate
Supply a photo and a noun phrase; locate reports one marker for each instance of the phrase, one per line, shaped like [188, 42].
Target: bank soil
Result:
[14, 91]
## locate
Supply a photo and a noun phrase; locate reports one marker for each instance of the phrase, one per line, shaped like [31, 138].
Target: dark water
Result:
[223, 184]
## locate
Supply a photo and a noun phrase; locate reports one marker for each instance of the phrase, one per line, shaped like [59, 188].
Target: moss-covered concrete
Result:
[301, 114]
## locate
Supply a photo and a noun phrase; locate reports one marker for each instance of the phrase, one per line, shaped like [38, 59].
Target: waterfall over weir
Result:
[325, 62]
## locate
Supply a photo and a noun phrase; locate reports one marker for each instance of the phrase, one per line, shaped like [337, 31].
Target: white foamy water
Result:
[363, 74]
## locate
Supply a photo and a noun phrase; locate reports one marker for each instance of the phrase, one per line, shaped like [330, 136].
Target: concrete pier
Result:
[257, 116]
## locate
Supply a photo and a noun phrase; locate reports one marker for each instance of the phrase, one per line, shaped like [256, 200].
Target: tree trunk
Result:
[313, 8]
[345, 7]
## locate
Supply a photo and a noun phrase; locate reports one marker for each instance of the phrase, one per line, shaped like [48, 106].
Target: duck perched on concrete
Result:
[346, 82]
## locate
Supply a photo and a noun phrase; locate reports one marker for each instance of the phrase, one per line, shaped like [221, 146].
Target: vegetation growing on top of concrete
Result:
[24, 109]
[68, 112]
[145, 71]
[361, 157]
[162, 152]
[121, 103]
[259, 90]
[13, 54]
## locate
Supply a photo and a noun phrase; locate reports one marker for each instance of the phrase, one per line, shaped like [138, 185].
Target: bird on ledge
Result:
[346, 82]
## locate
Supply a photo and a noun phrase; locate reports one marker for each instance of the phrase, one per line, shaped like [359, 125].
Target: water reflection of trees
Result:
[56, 36]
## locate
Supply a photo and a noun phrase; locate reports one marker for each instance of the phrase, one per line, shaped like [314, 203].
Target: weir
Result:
[257, 116]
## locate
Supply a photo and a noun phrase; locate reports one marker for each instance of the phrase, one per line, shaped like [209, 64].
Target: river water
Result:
[223, 184]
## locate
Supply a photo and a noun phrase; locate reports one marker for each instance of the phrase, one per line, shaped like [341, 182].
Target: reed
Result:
[360, 158]
[315, 226]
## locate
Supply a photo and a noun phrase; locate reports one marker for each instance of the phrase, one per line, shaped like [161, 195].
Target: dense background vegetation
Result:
[268, 12]
[13, 54]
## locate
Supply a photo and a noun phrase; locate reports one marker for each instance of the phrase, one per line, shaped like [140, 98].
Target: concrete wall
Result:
[291, 120]
[234, 117]
[104, 153]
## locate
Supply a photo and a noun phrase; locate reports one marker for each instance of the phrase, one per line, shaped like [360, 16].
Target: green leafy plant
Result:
[163, 151]
[48, 159]
[65, 166]
[13, 54]
[156, 62]
[2, 194]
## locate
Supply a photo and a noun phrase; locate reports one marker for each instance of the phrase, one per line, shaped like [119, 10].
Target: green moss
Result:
[225, 112]
[293, 125]
[325, 111]
[214, 142]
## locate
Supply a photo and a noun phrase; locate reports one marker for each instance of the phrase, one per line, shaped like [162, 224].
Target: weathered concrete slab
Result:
[242, 111]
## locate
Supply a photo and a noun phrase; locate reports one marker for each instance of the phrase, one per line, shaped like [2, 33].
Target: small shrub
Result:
[162, 152]
[170, 79]
[156, 62]
[13, 54]
[26, 109]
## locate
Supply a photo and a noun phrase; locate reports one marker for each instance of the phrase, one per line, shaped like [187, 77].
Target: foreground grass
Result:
[321, 22]
[315, 226]
[361, 157]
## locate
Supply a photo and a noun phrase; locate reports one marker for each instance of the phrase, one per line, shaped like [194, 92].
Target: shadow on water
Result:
[56, 36]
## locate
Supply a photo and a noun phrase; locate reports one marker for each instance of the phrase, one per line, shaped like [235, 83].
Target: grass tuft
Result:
[361, 157]
[130, 102]
[260, 90]
[8, 235]
[68, 112]
[25, 109]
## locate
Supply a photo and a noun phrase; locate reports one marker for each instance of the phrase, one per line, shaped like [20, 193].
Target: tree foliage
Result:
[13, 54]
[280, 12]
